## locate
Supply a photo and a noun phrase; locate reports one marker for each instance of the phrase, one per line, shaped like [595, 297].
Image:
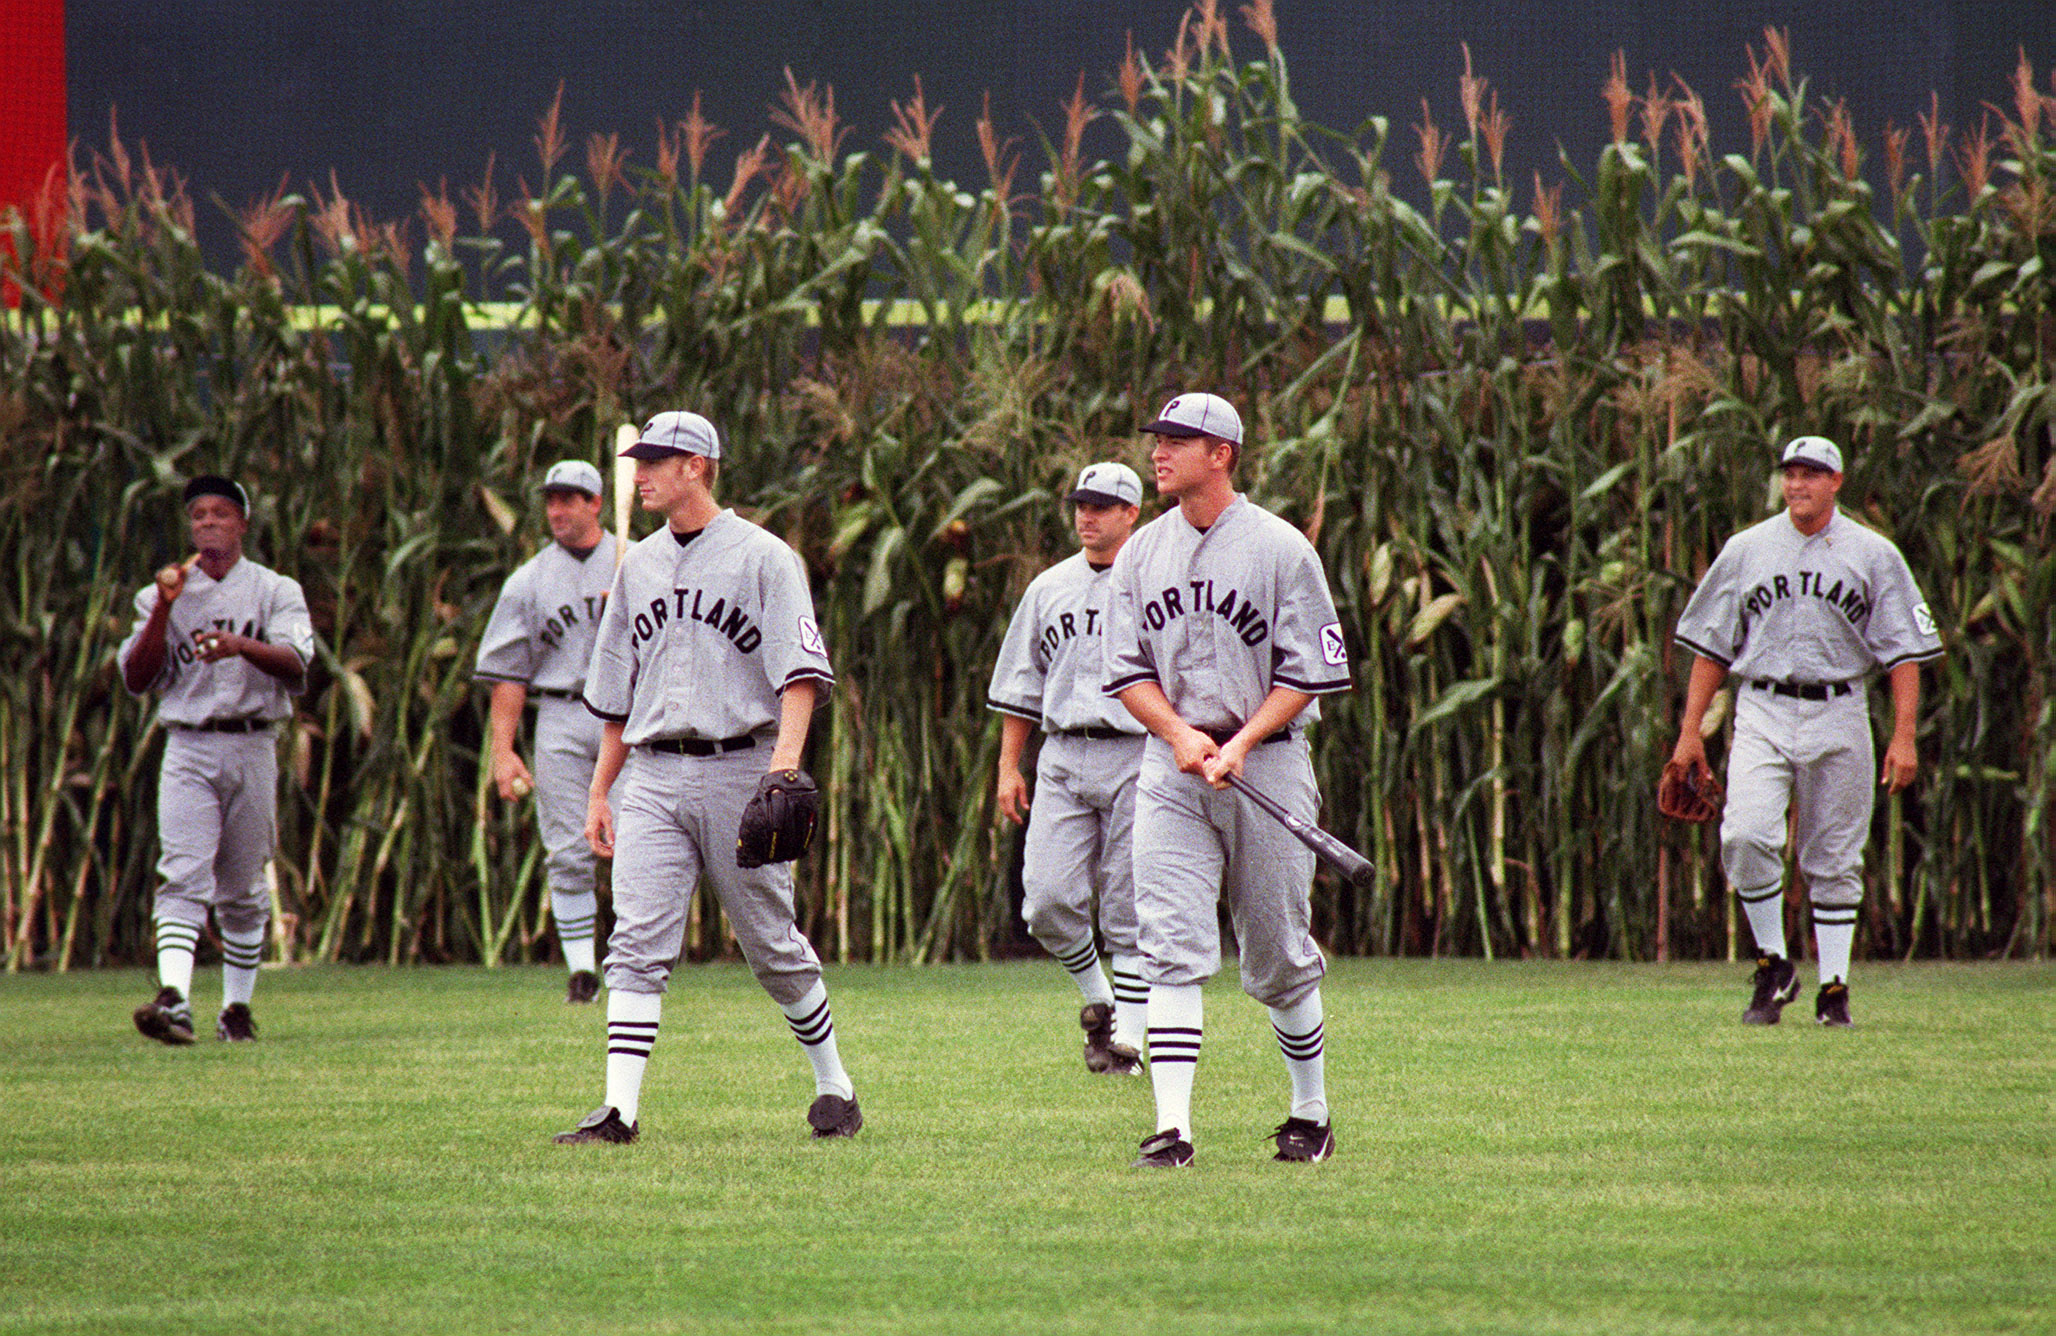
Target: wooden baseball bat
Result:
[1338, 855]
[625, 435]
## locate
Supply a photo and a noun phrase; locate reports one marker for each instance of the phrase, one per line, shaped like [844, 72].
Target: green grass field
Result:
[1523, 1148]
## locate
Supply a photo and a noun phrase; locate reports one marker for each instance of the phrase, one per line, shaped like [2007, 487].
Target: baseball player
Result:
[1800, 609]
[225, 644]
[536, 647]
[1078, 839]
[706, 671]
[1221, 635]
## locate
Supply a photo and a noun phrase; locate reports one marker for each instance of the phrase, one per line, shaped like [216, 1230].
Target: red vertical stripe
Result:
[32, 117]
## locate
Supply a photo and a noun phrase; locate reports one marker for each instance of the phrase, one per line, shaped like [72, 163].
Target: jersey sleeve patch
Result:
[810, 638]
[1924, 619]
[1334, 652]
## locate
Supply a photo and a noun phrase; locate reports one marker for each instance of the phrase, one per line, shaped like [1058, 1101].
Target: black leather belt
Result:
[1096, 734]
[555, 693]
[1803, 690]
[227, 726]
[701, 746]
[1223, 736]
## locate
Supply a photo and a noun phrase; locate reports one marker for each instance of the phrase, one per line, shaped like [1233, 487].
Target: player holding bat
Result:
[1221, 633]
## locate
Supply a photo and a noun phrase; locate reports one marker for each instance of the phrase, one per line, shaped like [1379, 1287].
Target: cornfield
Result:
[1517, 419]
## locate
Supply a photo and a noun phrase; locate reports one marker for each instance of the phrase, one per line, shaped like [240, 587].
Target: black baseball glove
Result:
[778, 822]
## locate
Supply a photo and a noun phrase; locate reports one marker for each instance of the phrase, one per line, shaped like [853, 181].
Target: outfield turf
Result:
[1578, 1148]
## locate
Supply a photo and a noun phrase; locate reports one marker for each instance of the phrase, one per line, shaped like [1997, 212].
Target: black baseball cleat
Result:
[1304, 1141]
[236, 1025]
[1775, 984]
[1102, 1055]
[834, 1116]
[1164, 1150]
[584, 986]
[1113, 1060]
[1831, 1004]
[166, 1018]
[601, 1125]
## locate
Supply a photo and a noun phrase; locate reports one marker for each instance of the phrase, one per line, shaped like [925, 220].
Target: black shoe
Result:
[834, 1116]
[166, 1018]
[1164, 1150]
[1102, 1054]
[1776, 983]
[602, 1124]
[236, 1025]
[1113, 1060]
[1831, 1004]
[1304, 1141]
[583, 987]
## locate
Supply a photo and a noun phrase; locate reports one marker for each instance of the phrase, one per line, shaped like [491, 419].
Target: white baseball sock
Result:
[1177, 1023]
[1083, 966]
[240, 955]
[632, 1020]
[1834, 933]
[1302, 1039]
[1131, 1002]
[176, 943]
[813, 1024]
[576, 913]
[1766, 911]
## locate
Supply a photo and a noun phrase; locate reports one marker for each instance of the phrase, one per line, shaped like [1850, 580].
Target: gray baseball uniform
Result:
[696, 644]
[217, 796]
[1080, 828]
[541, 635]
[1799, 623]
[1217, 618]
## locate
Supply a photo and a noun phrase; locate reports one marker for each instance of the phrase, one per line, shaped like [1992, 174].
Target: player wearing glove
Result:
[1082, 820]
[225, 644]
[707, 657]
[1799, 610]
[535, 649]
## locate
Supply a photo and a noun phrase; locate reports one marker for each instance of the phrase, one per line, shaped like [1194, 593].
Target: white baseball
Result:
[521, 787]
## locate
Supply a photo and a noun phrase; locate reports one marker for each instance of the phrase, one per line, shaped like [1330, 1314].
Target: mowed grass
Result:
[1578, 1148]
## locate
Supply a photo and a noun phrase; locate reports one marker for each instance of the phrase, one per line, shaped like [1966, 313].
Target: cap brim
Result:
[651, 450]
[1166, 427]
[1091, 498]
[1815, 465]
[568, 487]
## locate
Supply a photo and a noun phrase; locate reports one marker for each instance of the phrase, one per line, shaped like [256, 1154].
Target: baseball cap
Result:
[213, 484]
[1198, 415]
[675, 433]
[1813, 451]
[572, 475]
[1107, 485]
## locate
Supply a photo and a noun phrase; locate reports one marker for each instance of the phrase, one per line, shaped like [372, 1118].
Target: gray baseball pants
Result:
[1189, 837]
[567, 746]
[676, 818]
[217, 825]
[1080, 836]
[1815, 760]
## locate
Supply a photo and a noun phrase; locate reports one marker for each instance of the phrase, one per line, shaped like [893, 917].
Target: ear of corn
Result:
[1518, 424]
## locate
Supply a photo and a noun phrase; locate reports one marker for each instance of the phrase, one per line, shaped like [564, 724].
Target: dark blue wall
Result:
[236, 93]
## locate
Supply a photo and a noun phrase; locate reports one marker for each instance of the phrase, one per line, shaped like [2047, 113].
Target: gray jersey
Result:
[1051, 664]
[542, 628]
[1783, 606]
[699, 639]
[1218, 618]
[251, 600]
